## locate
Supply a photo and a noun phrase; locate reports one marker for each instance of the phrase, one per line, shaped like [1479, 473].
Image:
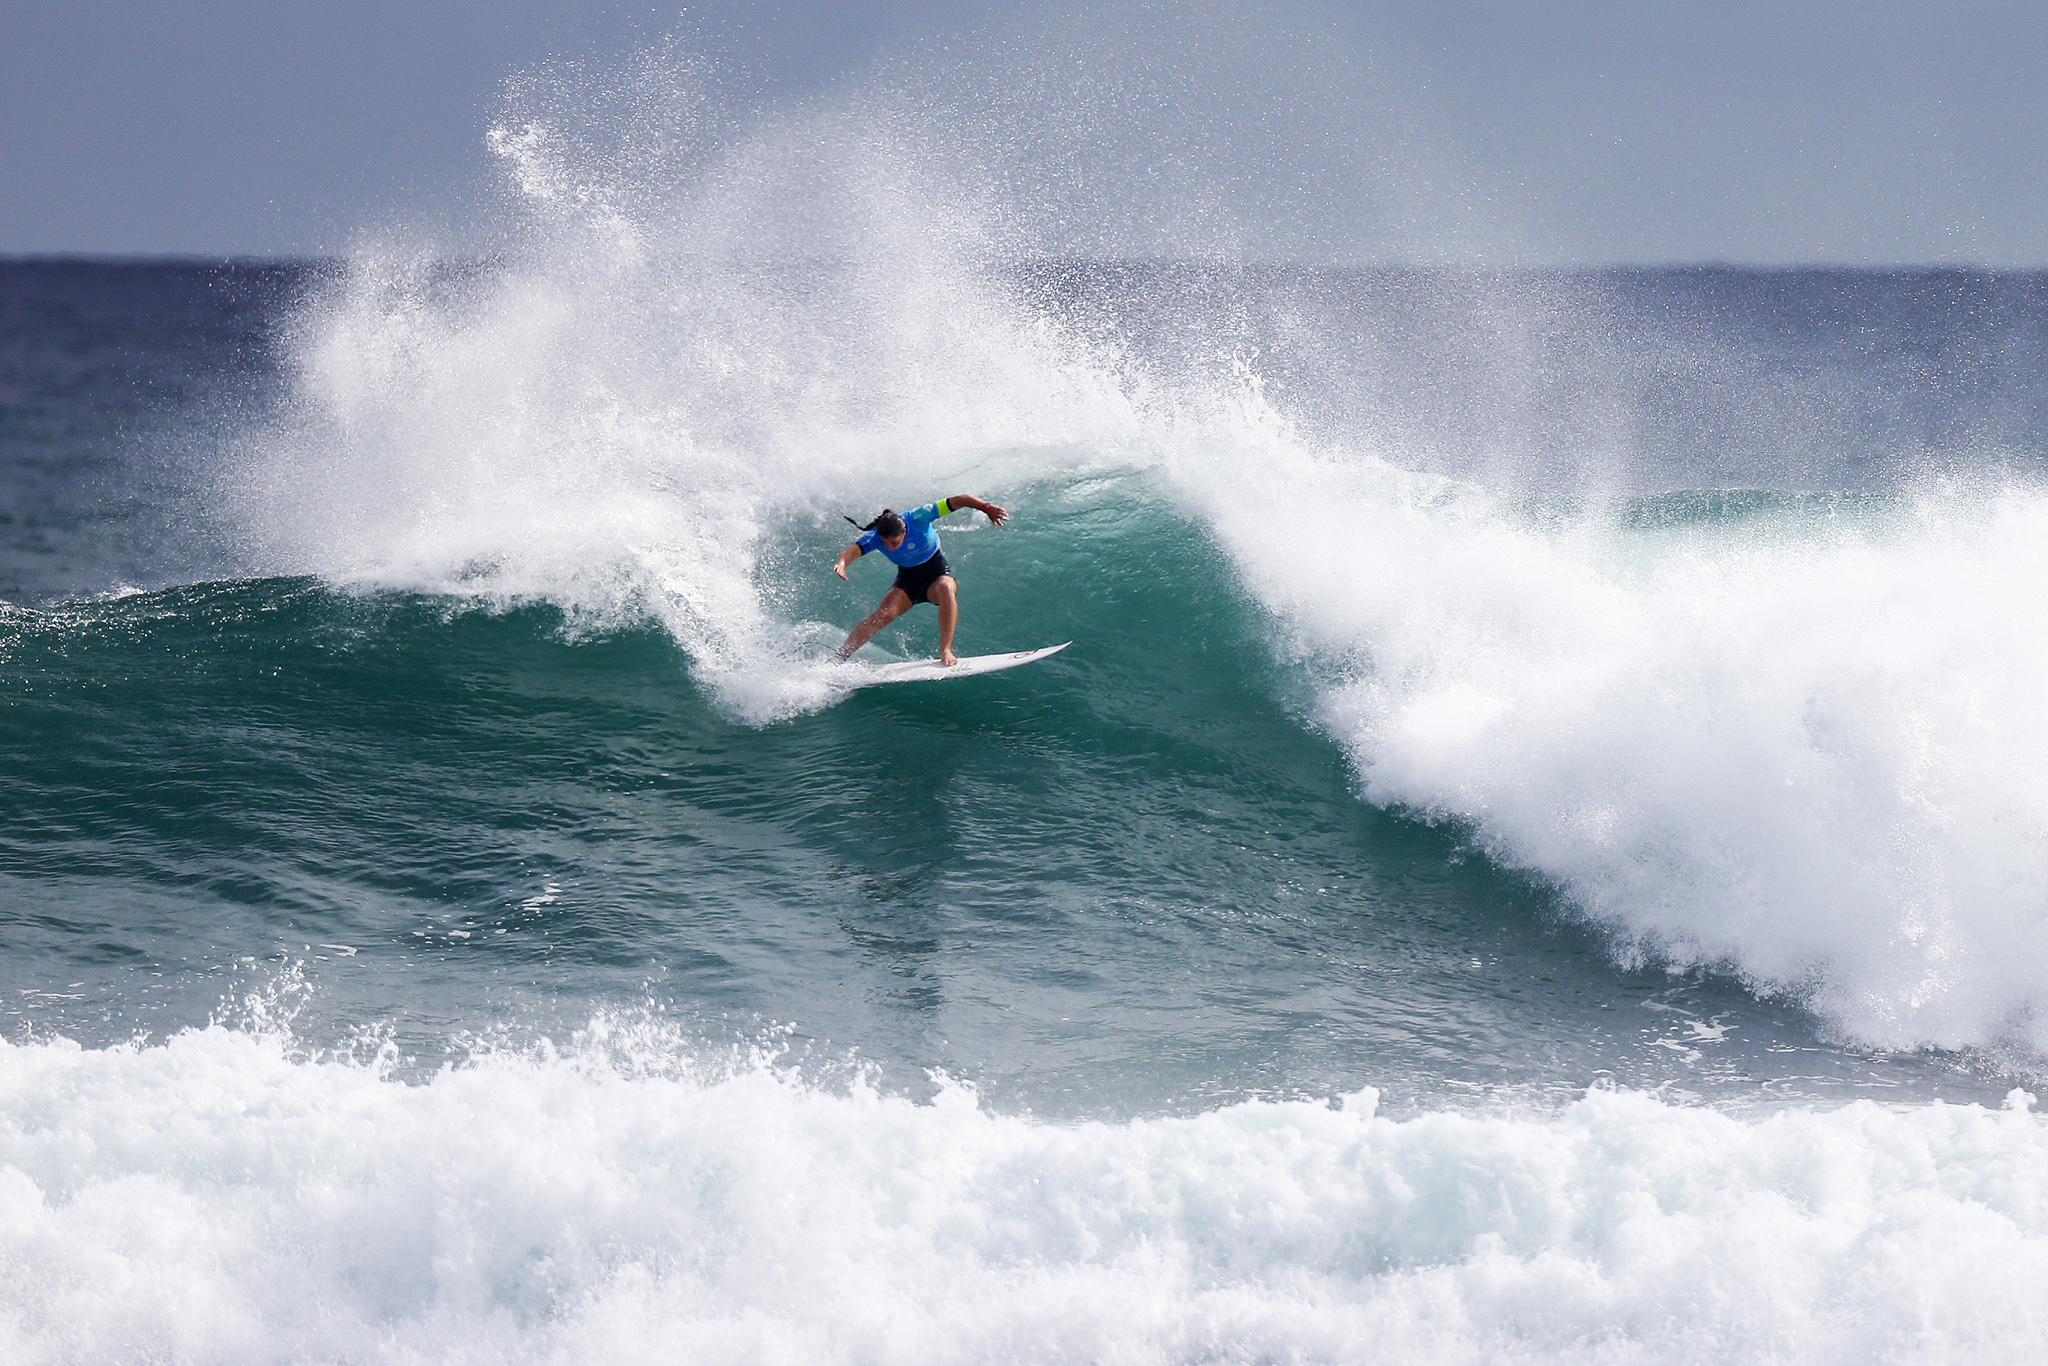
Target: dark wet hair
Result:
[890, 523]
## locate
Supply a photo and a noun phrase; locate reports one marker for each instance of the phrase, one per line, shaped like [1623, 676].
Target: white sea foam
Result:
[1811, 752]
[216, 1199]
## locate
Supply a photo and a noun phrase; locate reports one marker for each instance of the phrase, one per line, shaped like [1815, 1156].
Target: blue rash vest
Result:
[920, 542]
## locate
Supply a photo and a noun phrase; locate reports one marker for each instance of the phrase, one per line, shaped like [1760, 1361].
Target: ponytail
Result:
[889, 521]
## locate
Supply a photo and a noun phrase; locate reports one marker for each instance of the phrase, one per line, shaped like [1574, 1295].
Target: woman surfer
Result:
[921, 573]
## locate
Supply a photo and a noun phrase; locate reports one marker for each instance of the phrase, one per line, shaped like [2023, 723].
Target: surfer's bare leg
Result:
[894, 604]
[944, 594]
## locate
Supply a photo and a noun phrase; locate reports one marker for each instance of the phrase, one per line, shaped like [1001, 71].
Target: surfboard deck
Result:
[931, 671]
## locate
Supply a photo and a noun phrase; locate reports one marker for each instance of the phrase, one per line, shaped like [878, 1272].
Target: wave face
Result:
[1127, 882]
[1784, 736]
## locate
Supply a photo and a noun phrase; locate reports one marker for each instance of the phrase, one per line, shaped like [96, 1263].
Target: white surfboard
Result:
[930, 670]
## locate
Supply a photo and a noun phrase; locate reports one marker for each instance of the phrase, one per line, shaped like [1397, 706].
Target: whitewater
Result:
[1533, 855]
[237, 1204]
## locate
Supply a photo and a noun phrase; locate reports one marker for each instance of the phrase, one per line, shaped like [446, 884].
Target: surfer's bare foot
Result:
[948, 658]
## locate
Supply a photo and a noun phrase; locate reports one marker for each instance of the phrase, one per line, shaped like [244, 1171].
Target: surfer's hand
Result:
[995, 514]
[839, 568]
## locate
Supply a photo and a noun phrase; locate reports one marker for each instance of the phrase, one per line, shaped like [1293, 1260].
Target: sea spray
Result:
[616, 415]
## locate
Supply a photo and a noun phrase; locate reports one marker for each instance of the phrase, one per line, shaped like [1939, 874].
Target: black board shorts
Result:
[917, 578]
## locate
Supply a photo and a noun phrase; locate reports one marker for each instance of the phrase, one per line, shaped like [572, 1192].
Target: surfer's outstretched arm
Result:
[968, 500]
[847, 557]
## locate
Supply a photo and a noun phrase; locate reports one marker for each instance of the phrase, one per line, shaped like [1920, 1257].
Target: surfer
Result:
[910, 543]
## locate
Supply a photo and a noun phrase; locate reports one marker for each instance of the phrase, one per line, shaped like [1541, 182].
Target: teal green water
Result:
[1132, 876]
[439, 716]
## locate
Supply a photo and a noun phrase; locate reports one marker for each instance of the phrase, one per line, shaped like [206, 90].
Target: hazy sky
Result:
[1765, 131]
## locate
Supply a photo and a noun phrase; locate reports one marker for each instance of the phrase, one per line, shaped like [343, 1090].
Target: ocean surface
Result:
[1538, 850]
